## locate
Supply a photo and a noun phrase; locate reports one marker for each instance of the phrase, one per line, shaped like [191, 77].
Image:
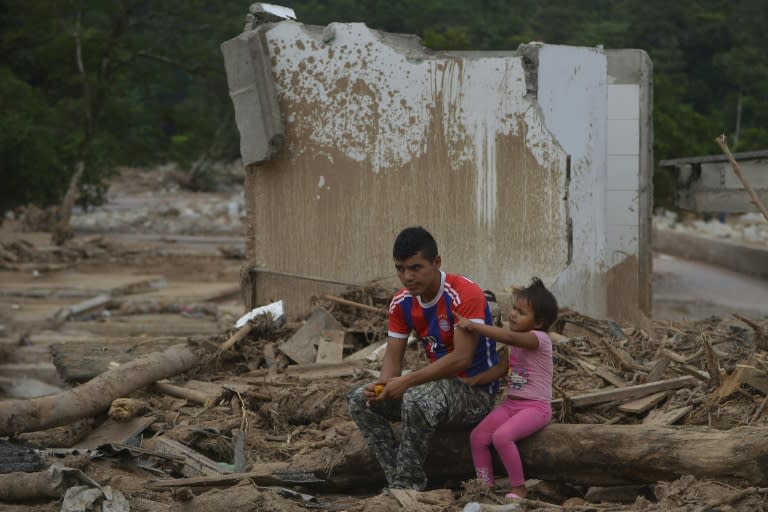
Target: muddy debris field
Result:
[126, 385]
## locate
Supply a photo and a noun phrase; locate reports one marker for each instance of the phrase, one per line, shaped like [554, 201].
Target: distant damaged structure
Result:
[529, 162]
[709, 184]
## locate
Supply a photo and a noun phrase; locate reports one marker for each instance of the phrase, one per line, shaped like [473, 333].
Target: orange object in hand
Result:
[377, 389]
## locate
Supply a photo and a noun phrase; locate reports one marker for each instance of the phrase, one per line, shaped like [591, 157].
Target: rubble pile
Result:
[137, 203]
[126, 385]
[23, 255]
[234, 419]
[748, 229]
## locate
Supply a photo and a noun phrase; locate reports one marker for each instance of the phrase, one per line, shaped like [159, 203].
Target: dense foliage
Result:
[138, 82]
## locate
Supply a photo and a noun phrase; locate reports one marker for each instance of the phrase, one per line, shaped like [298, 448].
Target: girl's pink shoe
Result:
[513, 496]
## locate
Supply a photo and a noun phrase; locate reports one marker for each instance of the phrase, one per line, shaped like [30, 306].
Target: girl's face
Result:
[521, 317]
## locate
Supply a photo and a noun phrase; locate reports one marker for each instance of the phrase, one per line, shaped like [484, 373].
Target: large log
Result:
[589, 455]
[96, 395]
[627, 454]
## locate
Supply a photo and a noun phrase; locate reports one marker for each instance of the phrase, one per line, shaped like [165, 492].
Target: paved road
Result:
[684, 289]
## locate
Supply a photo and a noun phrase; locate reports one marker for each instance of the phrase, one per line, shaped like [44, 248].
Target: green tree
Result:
[120, 80]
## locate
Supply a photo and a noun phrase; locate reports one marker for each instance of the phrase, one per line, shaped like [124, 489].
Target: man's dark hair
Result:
[412, 240]
[542, 302]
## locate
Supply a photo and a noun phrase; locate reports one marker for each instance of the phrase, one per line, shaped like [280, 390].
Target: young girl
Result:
[526, 408]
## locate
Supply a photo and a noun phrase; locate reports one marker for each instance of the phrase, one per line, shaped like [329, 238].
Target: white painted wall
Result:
[572, 93]
[622, 185]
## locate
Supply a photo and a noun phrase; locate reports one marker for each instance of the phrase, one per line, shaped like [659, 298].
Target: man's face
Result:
[419, 275]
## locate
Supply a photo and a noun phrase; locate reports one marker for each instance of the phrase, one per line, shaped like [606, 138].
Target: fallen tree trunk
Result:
[15, 487]
[626, 454]
[96, 395]
[588, 455]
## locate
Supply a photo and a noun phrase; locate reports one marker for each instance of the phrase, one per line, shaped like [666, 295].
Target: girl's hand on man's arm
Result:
[463, 323]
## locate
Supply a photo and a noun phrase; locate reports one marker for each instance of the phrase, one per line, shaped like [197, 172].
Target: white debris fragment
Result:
[275, 309]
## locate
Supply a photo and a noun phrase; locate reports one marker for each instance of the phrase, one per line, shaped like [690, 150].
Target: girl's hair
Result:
[542, 302]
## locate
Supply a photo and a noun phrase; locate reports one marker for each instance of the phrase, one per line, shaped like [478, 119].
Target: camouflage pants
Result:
[424, 408]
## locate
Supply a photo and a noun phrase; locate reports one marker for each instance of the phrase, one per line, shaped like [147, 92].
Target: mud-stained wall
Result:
[506, 157]
[380, 135]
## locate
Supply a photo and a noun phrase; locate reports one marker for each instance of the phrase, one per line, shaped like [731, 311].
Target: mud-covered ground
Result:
[293, 417]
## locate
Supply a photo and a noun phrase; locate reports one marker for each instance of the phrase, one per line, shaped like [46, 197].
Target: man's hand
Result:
[394, 389]
[369, 391]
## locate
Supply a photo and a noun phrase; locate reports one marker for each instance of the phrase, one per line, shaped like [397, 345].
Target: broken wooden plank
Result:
[324, 370]
[364, 352]
[757, 379]
[657, 372]
[330, 347]
[302, 346]
[643, 404]
[623, 357]
[674, 356]
[80, 308]
[263, 474]
[195, 463]
[745, 373]
[113, 432]
[610, 377]
[190, 395]
[364, 307]
[408, 499]
[669, 417]
[241, 333]
[695, 372]
[713, 365]
[629, 392]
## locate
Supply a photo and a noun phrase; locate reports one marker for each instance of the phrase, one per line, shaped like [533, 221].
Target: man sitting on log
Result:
[432, 396]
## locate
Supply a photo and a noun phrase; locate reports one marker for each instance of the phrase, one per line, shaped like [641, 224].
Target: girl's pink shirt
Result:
[530, 371]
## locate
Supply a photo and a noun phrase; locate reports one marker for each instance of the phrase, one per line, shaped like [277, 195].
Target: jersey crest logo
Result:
[445, 325]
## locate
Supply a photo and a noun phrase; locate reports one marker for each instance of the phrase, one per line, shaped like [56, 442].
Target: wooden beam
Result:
[643, 404]
[364, 307]
[629, 392]
[669, 417]
[261, 475]
[195, 464]
[330, 346]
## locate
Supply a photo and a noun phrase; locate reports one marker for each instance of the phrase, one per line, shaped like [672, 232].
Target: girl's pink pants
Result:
[508, 423]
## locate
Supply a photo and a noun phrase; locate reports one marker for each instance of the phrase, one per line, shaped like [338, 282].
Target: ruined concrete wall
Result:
[572, 92]
[501, 155]
[714, 186]
[380, 135]
[629, 186]
[598, 105]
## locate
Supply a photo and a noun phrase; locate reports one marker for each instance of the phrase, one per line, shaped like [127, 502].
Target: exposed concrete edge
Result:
[741, 258]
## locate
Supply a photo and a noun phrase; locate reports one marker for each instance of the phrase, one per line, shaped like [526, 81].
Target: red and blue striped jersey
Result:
[434, 322]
